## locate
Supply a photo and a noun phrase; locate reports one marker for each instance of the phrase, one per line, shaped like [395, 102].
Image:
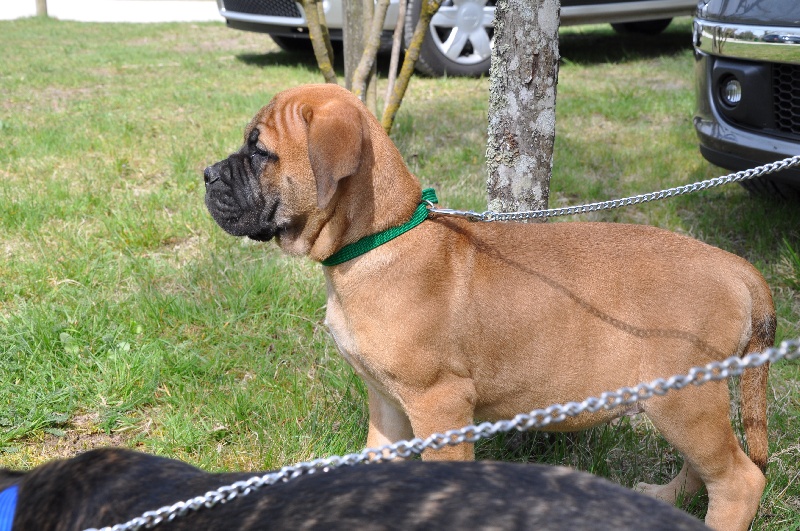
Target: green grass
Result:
[128, 317]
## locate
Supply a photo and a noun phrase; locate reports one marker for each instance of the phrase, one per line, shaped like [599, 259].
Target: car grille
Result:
[785, 80]
[272, 8]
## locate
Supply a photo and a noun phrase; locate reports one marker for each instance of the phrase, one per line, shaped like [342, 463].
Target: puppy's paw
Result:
[662, 492]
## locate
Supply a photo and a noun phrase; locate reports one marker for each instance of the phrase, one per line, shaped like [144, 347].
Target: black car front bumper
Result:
[765, 125]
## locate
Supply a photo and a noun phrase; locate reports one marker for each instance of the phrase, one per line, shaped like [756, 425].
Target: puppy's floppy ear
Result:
[335, 141]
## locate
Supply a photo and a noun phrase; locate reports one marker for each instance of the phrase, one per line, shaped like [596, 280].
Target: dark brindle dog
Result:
[111, 486]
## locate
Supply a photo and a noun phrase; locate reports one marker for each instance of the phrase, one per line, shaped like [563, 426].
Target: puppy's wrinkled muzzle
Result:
[235, 200]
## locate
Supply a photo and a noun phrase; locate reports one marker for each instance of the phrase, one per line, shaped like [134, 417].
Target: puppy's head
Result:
[284, 180]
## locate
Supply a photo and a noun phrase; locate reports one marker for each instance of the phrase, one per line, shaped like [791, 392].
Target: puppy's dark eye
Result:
[262, 155]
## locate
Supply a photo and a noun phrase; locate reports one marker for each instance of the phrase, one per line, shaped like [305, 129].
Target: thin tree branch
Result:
[397, 44]
[429, 8]
[320, 39]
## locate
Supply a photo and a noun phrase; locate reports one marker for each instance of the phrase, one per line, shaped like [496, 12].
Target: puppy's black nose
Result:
[209, 176]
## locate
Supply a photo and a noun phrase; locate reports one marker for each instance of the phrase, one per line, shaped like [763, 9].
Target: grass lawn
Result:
[127, 317]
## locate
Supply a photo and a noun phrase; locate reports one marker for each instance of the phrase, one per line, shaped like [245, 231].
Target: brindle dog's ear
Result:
[9, 477]
[335, 141]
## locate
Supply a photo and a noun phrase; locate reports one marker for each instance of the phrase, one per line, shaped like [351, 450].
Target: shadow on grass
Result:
[306, 60]
[281, 58]
[601, 45]
[584, 45]
[754, 227]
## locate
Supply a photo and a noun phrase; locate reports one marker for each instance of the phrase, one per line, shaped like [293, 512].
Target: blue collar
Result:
[8, 503]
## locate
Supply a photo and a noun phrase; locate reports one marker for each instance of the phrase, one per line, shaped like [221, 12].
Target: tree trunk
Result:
[522, 104]
[372, 32]
[41, 8]
[353, 35]
[361, 43]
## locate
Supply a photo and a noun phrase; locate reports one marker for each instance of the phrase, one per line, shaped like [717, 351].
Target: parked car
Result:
[461, 31]
[747, 66]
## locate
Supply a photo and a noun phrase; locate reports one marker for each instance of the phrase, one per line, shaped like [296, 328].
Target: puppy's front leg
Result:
[387, 423]
[447, 405]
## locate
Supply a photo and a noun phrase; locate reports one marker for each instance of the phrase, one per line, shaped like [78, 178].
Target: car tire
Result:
[642, 27]
[293, 44]
[469, 55]
[771, 189]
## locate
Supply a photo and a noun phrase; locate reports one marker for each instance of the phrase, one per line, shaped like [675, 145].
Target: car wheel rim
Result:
[462, 30]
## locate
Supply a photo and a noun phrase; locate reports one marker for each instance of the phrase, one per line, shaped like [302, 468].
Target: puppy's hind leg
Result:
[696, 421]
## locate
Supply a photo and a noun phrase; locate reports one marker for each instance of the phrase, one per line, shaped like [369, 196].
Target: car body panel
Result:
[749, 13]
[573, 12]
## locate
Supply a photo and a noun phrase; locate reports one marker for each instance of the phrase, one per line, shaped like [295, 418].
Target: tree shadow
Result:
[306, 60]
[582, 45]
[590, 45]
[282, 58]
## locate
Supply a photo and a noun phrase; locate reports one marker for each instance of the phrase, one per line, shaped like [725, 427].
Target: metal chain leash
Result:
[743, 175]
[538, 418]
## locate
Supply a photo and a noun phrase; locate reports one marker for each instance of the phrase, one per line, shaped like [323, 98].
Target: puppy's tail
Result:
[754, 383]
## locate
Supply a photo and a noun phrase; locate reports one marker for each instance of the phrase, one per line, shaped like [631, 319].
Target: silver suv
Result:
[460, 38]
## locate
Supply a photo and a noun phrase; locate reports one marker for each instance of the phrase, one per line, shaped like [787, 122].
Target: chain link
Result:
[743, 175]
[538, 418]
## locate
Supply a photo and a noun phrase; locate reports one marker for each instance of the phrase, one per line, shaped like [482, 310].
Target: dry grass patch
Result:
[78, 435]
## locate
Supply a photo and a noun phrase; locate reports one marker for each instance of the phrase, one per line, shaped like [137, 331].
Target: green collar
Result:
[367, 243]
